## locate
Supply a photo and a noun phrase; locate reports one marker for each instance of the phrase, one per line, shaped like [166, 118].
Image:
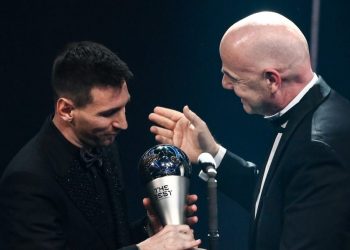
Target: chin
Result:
[107, 139]
[248, 110]
[108, 142]
[251, 111]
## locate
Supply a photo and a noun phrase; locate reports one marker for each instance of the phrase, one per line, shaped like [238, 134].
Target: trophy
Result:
[165, 170]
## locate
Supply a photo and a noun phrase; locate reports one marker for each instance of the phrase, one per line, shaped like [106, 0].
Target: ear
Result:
[64, 108]
[273, 79]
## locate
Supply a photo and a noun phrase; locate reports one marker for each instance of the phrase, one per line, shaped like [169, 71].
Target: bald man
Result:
[300, 199]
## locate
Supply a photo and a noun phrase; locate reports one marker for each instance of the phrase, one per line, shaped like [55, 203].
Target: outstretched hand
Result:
[184, 130]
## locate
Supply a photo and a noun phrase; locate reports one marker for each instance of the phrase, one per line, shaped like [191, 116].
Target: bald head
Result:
[265, 61]
[268, 40]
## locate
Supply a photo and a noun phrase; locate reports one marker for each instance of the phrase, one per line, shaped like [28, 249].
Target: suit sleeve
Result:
[317, 201]
[237, 179]
[28, 218]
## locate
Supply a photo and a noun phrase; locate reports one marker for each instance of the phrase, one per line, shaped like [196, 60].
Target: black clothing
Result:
[54, 197]
[305, 201]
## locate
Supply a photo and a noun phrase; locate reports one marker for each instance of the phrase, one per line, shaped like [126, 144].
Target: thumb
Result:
[152, 217]
[148, 206]
[191, 116]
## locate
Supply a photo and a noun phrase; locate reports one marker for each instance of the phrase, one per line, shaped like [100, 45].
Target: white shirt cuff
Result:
[218, 159]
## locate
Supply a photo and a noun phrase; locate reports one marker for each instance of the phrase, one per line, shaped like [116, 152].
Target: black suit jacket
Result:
[49, 199]
[305, 202]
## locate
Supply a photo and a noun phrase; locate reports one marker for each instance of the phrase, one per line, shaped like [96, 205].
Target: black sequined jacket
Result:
[52, 199]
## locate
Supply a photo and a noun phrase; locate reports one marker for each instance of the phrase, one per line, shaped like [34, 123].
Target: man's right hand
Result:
[171, 237]
[184, 130]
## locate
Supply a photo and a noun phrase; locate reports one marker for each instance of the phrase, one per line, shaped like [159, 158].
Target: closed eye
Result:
[232, 78]
[109, 113]
[113, 111]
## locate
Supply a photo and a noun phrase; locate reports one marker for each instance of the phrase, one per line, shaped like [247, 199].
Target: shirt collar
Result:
[295, 100]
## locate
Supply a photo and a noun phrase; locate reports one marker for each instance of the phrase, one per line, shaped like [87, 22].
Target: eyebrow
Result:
[113, 110]
[229, 75]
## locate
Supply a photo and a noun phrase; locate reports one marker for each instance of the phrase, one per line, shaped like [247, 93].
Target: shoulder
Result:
[331, 117]
[330, 124]
[27, 159]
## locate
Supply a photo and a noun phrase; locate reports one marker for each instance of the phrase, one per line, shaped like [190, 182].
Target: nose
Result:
[120, 121]
[226, 83]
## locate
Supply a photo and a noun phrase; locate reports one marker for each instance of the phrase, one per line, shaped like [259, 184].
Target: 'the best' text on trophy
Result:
[165, 170]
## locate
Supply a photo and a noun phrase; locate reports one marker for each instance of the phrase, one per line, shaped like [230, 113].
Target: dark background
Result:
[172, 48]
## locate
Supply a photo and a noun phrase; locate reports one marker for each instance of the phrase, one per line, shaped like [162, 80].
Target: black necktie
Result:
[91, 157]
[278, 122]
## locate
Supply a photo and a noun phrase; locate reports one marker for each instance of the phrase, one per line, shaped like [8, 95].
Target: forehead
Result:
[230, 57]
[109, 97]
[236, 62]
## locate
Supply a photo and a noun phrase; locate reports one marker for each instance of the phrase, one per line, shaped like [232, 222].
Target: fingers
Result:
[147, 204]
[155, 224]
[191, 198]
[162, 121]
[193, 244]
[162, 132]
[192, 220]
[168, 113]
[184, 234]
[191, 209]
[183, 229]
[171, 237]
[163, 140]
[179, 130]
[170, 125]
[191, 116]
[165, 117]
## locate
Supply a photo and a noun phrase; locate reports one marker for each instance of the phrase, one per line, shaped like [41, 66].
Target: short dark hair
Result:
[84, 65]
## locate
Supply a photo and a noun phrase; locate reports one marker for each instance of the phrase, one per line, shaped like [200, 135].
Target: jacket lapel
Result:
[313, 98]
